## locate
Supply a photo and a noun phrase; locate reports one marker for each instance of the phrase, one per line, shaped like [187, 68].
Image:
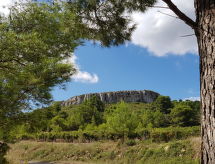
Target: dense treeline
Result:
[94, 120]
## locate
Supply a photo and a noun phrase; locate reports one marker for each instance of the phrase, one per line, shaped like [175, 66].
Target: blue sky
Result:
[157, 58]
[130, 67]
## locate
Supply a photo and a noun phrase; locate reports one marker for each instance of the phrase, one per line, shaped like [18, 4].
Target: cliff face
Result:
[114, 97]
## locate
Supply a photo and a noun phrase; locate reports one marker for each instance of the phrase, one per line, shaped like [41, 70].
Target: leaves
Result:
[35, 40]
[123, 120]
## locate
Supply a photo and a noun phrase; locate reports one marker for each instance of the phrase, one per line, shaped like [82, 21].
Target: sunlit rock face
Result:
[145, 96]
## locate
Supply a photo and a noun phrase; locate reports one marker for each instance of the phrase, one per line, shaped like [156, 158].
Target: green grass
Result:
[110, 152]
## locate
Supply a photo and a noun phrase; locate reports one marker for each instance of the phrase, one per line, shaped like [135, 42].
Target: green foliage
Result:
[93, 120]
[183, 115]
[95, 102]
[153, 119]
[173, 133]
[174, 152]
[95, 133]
[195, 106]
[3, 150]
[35, 42]
[40, 119]
[164, 104]
[90, 112]
[111, 27]
[57, 123]
[123, 120]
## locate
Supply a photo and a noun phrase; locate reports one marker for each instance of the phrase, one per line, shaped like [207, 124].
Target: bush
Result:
[173, 133]
[163, 104]
[3, 150]
[183, 115]
[123, 120]
[153, 119]
[83, 115]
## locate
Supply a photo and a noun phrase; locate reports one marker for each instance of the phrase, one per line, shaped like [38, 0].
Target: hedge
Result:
[155, 134]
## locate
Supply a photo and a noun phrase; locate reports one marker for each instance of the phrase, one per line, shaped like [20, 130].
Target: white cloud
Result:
[4, 4]
[82, 76]
[161, 34]
[85, 77]
[192, 99]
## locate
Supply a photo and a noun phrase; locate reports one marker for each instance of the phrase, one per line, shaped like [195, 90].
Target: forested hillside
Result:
[161, 120]
[164, 131]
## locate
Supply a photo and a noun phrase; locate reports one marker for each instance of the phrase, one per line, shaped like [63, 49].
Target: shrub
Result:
[173, 133]
[3, 150]
[98, 133]
[163, 104]
[153, 119]
[123, 120]
[183, 115]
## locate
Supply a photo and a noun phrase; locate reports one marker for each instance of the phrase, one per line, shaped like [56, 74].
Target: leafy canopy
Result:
[35, 42]
[123, 120]
[107, 20]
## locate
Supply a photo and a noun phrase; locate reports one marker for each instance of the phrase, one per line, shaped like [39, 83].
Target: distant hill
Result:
[145, 96]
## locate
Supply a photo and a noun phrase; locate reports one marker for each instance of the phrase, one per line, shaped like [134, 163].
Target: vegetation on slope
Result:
[159, 131]
[96, 120]
[110, 152]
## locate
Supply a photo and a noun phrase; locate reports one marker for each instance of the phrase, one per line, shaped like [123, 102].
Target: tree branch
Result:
[161, 7]
[169, 15]
[181, 15]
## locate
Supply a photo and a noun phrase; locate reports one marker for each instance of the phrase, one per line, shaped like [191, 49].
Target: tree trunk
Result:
[205, 12]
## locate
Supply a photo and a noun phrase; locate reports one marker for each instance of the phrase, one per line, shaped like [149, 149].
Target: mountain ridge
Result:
[145, 96]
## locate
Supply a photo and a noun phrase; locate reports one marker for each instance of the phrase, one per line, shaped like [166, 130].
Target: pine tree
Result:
[35, 42]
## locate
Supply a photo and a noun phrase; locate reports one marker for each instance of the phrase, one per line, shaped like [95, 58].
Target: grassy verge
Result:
[110, 152]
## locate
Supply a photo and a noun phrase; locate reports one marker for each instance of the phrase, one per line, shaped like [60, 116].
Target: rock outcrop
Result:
[145, 96]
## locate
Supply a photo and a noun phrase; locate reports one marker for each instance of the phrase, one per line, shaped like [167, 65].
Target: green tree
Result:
[95, 101]
[35, 42]
[163, 104]
[90, 112]
[183, 115]
[39, 119]
[153, 119]
[58, 123]
[194, 105]
[123, 121]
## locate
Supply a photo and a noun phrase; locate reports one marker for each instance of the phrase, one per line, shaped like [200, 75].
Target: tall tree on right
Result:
[109, 23]
[205, 33]
[204, 28]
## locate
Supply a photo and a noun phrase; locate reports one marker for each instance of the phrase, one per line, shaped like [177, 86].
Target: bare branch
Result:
[181, 15]
[169, 15]
[187, 35]
[161, 7]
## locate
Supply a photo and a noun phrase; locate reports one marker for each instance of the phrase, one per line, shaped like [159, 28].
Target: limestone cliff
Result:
[114, 97]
